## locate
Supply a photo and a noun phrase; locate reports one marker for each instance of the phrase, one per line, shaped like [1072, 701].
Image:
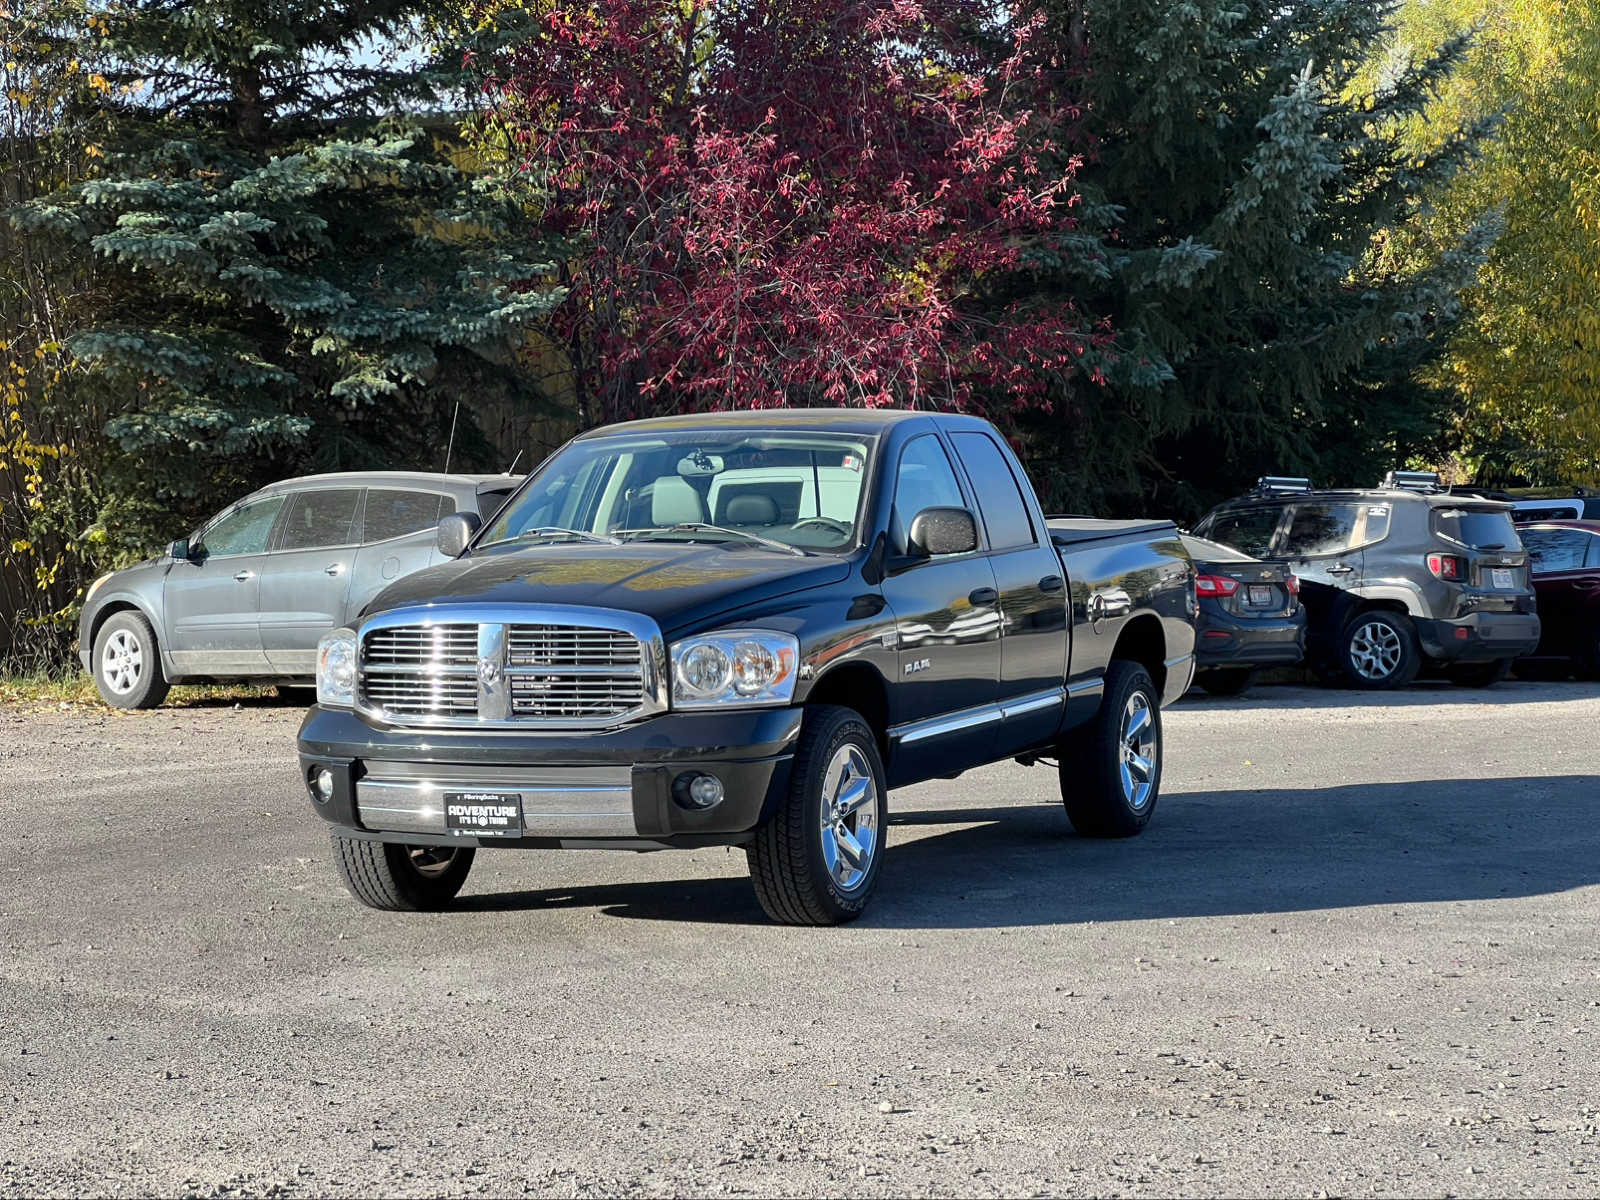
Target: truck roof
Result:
[840, 420]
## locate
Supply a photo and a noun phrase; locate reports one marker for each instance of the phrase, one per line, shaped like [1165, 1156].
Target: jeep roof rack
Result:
[1412, 481]
[1268, 485]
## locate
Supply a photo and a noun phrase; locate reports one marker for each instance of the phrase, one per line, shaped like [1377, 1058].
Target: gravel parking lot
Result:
[1355, 953]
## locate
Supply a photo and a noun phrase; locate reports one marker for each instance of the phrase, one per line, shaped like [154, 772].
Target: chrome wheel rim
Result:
[431, 861]
[849, 818]
[1140, 753]
[1375, 650]
[122, 662]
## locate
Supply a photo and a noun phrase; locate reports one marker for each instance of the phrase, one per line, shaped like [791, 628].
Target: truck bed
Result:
[1075, 531]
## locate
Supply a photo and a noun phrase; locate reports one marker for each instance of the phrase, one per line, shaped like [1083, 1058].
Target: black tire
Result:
[1097, 799]
[790, 857]
[1226, 681]
[126, 662]
[1484, 674]
[389, 876]
[1378, 650]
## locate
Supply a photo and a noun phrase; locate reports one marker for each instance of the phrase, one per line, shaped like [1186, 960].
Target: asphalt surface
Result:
[1355, 953]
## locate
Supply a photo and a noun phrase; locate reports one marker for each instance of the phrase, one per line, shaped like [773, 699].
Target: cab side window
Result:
[243, 531]
[391, 513]
[321, 518]
[925, 480]
[1321, 529]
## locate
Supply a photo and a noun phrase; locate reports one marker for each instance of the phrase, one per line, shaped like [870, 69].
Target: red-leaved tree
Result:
[798, 201]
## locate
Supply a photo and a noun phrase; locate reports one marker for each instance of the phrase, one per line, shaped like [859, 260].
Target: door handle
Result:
[1052, 583]
[1340, 569]
[333, 569]
[982, 596]
[244, 576]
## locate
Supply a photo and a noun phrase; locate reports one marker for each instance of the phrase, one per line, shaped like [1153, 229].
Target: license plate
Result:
[1502, 577]
[483, 814]
[1260, 595]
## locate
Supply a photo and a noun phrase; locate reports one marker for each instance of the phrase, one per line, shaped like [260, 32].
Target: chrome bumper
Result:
[557, 802]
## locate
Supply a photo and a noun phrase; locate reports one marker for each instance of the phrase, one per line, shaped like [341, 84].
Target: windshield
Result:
[1479, 528]
[798, 489]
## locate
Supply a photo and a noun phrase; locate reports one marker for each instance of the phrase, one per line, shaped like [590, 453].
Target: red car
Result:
[1564, 561]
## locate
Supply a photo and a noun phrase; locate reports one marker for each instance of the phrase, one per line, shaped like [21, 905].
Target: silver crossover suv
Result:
[248, 594]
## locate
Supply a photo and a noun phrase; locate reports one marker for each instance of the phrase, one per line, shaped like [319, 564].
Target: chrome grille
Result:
[506, 672]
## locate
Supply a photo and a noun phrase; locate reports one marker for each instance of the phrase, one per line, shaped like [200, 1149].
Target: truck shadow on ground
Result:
[1206, 854]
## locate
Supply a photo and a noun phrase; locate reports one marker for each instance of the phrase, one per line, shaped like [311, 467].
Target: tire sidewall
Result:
[1410, 660]
[150, 674]
[1135, 679]
[849, 728]
[428, 892]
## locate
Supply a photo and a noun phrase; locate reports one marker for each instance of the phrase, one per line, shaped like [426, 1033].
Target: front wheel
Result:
[1485, 674]
[127, 665]
[816, 861]
[400, 878]
[1111, 768]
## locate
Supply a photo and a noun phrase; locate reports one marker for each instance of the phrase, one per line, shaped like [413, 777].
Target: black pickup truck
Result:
[745, 629]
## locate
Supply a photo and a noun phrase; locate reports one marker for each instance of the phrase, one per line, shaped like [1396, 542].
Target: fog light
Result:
[324, 785]
[699, 791]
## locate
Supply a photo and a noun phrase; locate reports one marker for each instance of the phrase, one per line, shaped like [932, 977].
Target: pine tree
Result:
[297, 273]
[1254, 187]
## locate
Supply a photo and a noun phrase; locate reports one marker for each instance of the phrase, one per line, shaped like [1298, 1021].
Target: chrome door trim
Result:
[1033, 702]
[653, 662]
[973, 718]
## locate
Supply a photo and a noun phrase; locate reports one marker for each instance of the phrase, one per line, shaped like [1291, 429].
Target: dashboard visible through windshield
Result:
[794, 491]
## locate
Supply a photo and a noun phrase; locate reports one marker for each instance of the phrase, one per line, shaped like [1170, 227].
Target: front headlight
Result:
[336, 669]
[735, 668]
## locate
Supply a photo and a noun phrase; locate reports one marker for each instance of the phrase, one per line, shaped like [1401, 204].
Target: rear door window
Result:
[1556, 549]
[393, 513]
[320, 519]
[1321, 529]
[1005, 512]
[1247, 530]
[1478, 528]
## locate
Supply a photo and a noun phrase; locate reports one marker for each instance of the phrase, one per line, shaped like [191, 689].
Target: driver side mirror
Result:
[455, 531]
[937, 531]
[179, 550]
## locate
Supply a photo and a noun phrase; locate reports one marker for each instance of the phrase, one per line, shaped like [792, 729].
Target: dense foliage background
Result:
[1167, 247]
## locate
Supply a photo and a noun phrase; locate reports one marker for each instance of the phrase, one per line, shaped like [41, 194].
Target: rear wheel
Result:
[127, 663]
[1111, 768]
[1484, 674]
[817, 860]
[1379, 650]
[1226, 681]
[400, 878]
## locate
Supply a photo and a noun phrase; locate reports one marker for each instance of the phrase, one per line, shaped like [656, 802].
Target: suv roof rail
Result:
[1412, 481]
[1268, 484]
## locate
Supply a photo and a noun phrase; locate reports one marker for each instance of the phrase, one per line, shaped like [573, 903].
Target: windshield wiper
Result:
[702, 527]
[583, 535]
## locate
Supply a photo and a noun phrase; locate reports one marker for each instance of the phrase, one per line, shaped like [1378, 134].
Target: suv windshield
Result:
[1479, 528]
[795, 488]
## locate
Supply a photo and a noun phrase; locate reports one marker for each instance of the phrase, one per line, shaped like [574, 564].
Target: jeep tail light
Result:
[1445, 566]
[1293, 584]
[1215, 585]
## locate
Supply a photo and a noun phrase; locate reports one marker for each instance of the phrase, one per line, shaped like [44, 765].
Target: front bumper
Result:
[1223, 641]
[613, 788]
[1479, 637]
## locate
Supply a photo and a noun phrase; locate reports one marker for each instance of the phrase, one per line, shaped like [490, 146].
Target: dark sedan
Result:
[1564, 562]
[1250, 616]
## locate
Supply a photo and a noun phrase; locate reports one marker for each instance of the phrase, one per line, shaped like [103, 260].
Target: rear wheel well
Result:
[859, 687]
[1142, 641]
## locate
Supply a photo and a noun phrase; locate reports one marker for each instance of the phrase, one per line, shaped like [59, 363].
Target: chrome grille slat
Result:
[555, 674]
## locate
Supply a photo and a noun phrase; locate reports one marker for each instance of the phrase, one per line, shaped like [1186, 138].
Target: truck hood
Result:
[676, 584]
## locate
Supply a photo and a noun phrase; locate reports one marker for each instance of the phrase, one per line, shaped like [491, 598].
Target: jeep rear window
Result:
[1479, 528]
[1247, 530]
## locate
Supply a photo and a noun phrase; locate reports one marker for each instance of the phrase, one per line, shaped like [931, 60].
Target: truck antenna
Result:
[451, 444]
[512, 469]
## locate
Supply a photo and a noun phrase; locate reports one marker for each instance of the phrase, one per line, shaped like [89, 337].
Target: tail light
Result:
[1446, 566]
[1293, 584]
[1215, 585]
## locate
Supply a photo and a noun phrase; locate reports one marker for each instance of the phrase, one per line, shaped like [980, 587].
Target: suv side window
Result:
[1320, 529]
[1005, 512]
[391, 513]
[1557, 549]
[925, 480]
[321, 518]
[243, 531]
[1247, 530]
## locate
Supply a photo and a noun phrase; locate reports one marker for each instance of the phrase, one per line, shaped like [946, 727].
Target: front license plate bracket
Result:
[483, 814]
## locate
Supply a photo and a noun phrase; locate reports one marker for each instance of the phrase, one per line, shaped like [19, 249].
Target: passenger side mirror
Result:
[455, 531]
[179, 550]
[937, 531]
